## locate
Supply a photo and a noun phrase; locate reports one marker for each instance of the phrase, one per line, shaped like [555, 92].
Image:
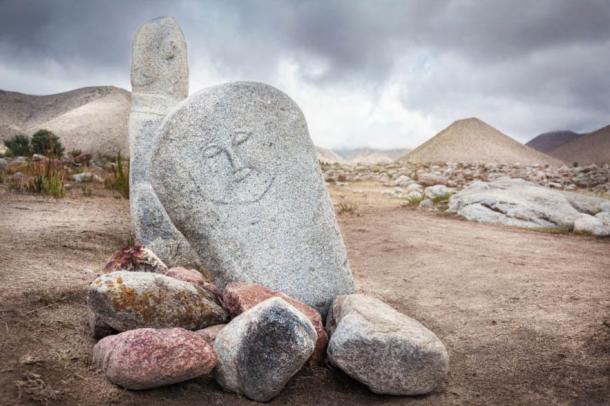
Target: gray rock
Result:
[605, 206]
[437, 191]
[384, 349]
[514, 202]
[426, 204]
[128, 300]
[431, 179]
[262, 348]
[598, 225]
[238, 175]
[3, 164]
[159, 80]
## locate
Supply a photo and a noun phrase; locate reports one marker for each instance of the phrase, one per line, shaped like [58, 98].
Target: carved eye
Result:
[211, 151]
[241, 136]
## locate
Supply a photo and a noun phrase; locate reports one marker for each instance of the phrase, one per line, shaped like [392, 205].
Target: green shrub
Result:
[19, 145]
[46, 143]
[415, 199]
[119, 179]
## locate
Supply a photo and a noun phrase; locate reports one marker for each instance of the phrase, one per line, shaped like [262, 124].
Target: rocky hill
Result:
[328, 156]
[92, 119]
[549, 141]
[472, 140]
[592, 148]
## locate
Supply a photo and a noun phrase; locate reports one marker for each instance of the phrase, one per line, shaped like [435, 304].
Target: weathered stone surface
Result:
[147, 358]
[134, 258]
[97, 328]
[238, 175]
[240, 296]
[210, 333]
[187, 275]
[437, 191]
[261, 349]
[514, 202]
[598, 225]
[129, 300]
[431, 179]
[159, 80]
[387, 351]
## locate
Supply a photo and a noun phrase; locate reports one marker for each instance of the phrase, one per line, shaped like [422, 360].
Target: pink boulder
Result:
[241, 296]
[147, 358]
[210, 333]
[187, 275]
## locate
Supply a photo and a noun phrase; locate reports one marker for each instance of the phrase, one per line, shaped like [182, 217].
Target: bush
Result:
[46, 178]
[19, 145]
[46, 143]
[119, 180]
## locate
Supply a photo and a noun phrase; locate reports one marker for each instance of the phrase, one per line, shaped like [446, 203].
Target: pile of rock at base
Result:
[165, 325]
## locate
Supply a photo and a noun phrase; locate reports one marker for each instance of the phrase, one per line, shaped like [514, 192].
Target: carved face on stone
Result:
[159, 64]
[228, 173]
[234, 145]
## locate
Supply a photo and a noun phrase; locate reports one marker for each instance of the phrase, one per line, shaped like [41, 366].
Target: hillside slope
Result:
[592, 148]
[472, 140]
[549, 141]
[92, 119]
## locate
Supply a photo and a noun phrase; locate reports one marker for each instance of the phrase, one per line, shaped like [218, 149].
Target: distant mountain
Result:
[328, 156]
[371, 155]
[92, 119]
[591, 148]
[549, 141]
[472, 140]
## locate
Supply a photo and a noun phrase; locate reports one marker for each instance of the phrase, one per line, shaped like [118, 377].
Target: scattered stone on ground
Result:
[147, 358]
[239, 297]
[387, 351]
[262, 348]
[128, 300]
[135, 258]
[248, 211]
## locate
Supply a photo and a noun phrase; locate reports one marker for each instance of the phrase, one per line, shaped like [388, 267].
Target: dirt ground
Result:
[525, 315]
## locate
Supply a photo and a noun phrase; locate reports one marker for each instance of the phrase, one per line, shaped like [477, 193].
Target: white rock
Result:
[384, 349]
[586, 223]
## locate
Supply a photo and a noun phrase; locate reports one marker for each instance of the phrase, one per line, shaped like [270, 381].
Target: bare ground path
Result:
[525, 315]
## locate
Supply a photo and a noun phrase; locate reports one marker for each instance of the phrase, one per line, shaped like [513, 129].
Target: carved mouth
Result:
[241, 194]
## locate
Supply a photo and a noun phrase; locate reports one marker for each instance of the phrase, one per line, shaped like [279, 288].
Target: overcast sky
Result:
[366, 73]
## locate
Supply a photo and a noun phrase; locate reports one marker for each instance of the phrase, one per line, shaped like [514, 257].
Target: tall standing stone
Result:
[237, 172]
[159, 80]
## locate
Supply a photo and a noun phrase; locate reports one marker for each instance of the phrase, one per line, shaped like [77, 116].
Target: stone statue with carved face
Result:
[159, 80]
[238, 174]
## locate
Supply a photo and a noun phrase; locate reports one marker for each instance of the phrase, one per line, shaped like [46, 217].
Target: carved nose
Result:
[241, 174]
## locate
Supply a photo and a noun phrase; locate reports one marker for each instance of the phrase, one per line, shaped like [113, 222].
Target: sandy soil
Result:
[525, 315]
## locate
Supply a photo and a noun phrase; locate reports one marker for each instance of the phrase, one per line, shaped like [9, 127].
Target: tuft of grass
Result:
[414, 200]
[347, 208]
[45, 178]
[119, 180]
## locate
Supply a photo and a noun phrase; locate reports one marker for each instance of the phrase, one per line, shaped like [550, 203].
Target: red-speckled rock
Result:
[210, 333]
[240, 296]
[187, 275]
[135, 258]
[147, 358]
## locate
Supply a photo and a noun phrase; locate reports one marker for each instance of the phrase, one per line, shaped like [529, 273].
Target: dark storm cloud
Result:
[543, 54]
